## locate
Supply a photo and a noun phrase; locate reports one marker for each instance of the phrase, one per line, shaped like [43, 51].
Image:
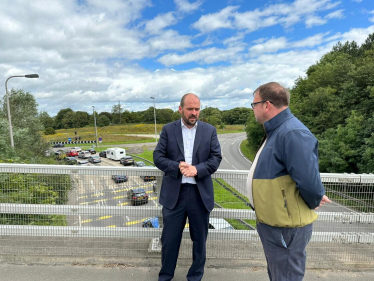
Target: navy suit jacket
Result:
[206, 157]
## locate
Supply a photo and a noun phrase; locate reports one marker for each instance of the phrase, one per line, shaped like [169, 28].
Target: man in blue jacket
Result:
[284, 184]
[188, 153]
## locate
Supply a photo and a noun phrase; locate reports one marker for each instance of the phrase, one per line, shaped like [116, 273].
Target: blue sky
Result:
[97, 53]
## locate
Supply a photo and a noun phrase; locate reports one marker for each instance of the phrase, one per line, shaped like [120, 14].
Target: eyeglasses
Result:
[253, 104]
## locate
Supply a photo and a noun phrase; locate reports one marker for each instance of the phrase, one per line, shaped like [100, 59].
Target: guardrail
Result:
[87, 210]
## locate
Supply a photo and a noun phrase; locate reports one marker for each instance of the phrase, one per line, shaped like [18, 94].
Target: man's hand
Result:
[187, 170]
[324, 200]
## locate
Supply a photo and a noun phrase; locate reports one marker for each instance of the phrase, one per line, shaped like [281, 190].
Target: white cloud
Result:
[284, 14]
[209, 56]
[210, 22]
[187, 7]
[372, 18]
[311, 41]
[338, 14]
[170, 40]
[272, 45]
[314, 20]
[160, 22]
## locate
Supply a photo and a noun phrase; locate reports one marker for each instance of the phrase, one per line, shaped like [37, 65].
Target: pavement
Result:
[29, 272]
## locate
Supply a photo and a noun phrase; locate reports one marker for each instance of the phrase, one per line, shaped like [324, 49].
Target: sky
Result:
[102, 53]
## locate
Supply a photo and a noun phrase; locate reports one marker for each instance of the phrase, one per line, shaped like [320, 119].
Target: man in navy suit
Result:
[188, 153]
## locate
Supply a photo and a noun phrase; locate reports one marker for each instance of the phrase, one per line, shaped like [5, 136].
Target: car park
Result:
[83, 163]
[127, 160]
[102, 153]
[58, 145]
[137, 196]
[119, 178]
[94, 159]
[84, 154]
[72, 153]
[71, 160]
[91, 150]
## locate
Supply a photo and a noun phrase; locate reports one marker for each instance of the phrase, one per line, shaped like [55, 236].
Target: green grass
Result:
[247, 151]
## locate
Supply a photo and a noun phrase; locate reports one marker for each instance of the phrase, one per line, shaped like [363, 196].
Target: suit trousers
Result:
[189, 205]
[285, 250]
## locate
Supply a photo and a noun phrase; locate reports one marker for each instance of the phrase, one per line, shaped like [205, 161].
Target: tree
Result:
[26, 127]
[102, 121]
[49, 131]
[116, 110]
[107, 114]
[81, 119]
[60, 115]
[45, 119]
[69, 120]
[237, 115]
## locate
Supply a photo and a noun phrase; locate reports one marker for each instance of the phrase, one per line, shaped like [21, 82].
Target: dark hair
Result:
[274, 92]
[184, 97]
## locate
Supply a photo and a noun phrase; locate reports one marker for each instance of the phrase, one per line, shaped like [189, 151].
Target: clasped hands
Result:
[187, 170]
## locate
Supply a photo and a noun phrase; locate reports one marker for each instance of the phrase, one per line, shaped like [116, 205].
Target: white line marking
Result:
[128, 219]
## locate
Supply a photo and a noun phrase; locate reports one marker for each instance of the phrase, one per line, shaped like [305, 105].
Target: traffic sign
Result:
[69, 139]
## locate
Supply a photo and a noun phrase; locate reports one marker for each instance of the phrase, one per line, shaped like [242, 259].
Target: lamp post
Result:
[154, 114]
[93, 109]
[8, 105]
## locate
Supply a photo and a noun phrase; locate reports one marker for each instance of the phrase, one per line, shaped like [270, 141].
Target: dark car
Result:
[94, 159]
[148, 178]
[58, 145]
[137, 196]
[91, 150]
[71, 160]
[127, 160]
[119, 178]
[102, 154]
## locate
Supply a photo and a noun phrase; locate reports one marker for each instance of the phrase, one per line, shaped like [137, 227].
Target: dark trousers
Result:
[285, 250]
[189, 205]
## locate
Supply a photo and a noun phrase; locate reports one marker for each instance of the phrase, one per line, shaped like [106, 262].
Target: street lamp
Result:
[8, 105]
[93, 108]
[154, 113]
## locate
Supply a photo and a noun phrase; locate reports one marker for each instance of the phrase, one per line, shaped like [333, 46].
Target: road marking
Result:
[98, 194]
[123, 204]
[83, 197]
[87, 221]
[100, 200]
[234, 167]
[84, 203]
[118, 197]
[104, 217]
[111, 226]
[134, 222]
[226, 159]
[128, 219]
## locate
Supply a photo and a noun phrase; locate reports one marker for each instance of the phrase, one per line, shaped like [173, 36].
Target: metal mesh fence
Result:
[113, 211]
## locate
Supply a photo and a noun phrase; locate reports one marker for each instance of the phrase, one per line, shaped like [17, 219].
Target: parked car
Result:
[139, 164]
[148, 178]
[94, 159]
[83, 163]
[127, 160]
[153, 222]
[91, 150]
[102, 154]
[60, 155]
[137, 196]
[58, 145]
[72, 153]
[71, 160]
[77, 149]
[119, 178]
[84, 154]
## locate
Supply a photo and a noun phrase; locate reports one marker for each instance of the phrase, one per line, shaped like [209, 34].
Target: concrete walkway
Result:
[22, 272]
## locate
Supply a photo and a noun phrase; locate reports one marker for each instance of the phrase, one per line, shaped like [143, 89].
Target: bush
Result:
[49, 131]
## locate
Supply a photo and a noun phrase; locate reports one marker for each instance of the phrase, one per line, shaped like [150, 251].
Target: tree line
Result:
[68, 118]
[335, 100]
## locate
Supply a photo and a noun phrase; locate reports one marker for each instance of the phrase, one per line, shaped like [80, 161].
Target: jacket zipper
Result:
[285, 203]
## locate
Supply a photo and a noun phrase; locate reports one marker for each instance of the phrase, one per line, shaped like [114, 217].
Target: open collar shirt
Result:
[188, 143]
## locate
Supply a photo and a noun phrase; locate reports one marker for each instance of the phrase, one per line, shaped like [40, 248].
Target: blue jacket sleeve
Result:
[300, 156]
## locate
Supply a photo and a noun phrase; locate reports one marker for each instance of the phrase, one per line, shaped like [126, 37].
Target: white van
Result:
[115, 153]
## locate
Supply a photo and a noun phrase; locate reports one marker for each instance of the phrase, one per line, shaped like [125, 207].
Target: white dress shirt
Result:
[188, 142]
